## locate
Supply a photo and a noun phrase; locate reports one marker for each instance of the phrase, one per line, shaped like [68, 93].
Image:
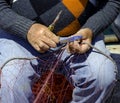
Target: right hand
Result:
[81, 46]
[41, 38]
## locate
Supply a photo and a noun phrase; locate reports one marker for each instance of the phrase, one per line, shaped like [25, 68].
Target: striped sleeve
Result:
[103, 18]
[12, 22]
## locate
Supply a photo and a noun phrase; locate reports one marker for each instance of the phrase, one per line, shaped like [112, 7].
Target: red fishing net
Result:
[56, 90]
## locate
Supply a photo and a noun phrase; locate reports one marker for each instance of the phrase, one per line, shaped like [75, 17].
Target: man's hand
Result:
[79, 46]
[41, 38]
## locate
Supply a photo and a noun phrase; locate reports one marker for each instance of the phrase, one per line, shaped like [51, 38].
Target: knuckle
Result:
[37, 48]
[53, 44]
[42, 31]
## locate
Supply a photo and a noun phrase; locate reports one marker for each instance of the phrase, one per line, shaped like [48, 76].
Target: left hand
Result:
[79, 46]
[41, 38]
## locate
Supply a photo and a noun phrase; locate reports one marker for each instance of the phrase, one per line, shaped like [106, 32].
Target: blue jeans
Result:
[92, 74]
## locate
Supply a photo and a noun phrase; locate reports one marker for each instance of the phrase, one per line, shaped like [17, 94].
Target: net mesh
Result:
[56, 90]
[50, 87]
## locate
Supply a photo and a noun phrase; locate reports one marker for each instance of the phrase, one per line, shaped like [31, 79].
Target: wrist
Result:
[85, 31]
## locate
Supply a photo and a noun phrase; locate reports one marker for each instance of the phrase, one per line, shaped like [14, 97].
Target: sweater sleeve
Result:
[13, 23]
[104, 17]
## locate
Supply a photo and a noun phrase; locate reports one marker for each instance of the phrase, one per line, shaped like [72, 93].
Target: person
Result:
[24, 23]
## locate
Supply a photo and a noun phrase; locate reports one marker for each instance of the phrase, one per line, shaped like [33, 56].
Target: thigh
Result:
[92, 74]
[16, 73]
[91, 65]
[15, 82]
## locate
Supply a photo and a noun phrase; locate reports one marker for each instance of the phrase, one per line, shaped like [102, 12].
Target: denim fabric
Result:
[92, 74]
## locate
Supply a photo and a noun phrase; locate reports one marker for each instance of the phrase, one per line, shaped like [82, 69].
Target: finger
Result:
[39, 49]
[52, 37]
[83, 48]
[36, 47]
[84, 45]
[42, 46]
[70, 47]
[76, 47]
[48, 41]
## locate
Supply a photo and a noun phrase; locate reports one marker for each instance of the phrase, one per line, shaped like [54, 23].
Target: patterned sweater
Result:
[17, 16]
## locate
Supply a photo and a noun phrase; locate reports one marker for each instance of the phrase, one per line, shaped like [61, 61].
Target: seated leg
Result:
[15, 82]
[93, 75]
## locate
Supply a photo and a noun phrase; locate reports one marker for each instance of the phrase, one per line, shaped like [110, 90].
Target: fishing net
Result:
[50, 86]
[56, 90]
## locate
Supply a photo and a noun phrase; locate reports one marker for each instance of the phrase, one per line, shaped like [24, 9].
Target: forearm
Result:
[103, 18]
[12, 22]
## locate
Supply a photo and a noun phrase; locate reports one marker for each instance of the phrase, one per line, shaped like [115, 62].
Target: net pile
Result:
[56, 90]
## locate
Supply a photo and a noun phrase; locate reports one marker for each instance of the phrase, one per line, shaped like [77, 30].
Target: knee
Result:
[94, 80]
[10, 47]
[104, 73]
[97, 76]
[9, 50]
